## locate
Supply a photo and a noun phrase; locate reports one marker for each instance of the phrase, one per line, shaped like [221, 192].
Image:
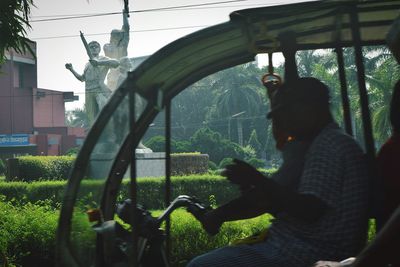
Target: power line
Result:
[107, 33]
[137, 11]
[175, 9]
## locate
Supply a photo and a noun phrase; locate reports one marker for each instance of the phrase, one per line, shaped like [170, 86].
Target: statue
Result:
[96, 92]
[117, 48]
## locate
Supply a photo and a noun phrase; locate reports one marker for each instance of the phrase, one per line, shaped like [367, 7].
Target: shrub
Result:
[32, 168]
[189, 163]
[256, 163]
[150, 190]
[181, 146]
[27, 233]
[73, 151]
[225, 162]
[212, 166]
[209, 142]
[156, 143]
[2, 167]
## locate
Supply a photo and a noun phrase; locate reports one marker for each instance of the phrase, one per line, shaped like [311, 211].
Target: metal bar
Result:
[366, 117]
[168, 174]
[344, 92]
[133, 183]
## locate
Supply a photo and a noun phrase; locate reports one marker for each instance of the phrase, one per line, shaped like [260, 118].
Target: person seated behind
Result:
[383, 250]
[388, 159]
[325, 216]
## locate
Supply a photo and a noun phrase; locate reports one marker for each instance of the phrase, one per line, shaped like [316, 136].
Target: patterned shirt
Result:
[335, 172]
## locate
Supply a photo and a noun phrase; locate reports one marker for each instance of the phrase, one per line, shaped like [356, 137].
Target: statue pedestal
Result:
[148, 164]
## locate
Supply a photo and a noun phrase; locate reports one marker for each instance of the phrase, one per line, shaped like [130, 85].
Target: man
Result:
[96, 92]
[384, 249]
[325, 216]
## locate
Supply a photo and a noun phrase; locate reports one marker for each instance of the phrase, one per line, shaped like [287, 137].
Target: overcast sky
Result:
[58, 41]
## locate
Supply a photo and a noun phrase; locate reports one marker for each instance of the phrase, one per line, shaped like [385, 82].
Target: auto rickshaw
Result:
[334, 24]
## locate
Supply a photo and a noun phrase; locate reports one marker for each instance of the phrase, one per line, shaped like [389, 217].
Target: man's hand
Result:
[242, 174]
[211, 222]
[347, 262]
[68, 66]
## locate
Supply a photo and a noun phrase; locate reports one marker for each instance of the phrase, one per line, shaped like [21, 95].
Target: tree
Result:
[77, 118]
[212, 143]
[238, 91]
[14, 15]
[380, 90]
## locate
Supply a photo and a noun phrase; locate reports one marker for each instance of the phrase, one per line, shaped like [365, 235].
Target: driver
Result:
[325, 216]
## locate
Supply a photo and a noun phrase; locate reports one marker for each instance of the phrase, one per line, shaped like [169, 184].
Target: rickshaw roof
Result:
[316, 24]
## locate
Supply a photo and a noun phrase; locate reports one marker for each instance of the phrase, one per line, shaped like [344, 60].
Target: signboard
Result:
[14, 139]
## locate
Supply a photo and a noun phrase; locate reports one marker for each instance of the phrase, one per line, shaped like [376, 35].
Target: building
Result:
[32, 119]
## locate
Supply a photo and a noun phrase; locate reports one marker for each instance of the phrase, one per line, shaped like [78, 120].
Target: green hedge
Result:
[151, 190]
[27, 235]
[189, 163]
[33, 168]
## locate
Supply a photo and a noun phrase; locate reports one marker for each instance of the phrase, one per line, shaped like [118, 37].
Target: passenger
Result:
[383, 250]
[325, 216]
[388, 159]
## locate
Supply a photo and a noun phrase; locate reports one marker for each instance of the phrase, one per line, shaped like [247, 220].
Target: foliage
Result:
[13, 25]
[212, 166]
[27, 233]
[188, 239]
[224, 162]
[201, 186]
[77, 118]
[254, 143]
[212, 143]
[73, 151]
[3, 167]
[189, 163]
[156, 143]
[256, 163]
[33, 168]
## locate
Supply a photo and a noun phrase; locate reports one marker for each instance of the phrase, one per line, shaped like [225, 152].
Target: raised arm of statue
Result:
[108, 62]
[125, 29]
[80, 77]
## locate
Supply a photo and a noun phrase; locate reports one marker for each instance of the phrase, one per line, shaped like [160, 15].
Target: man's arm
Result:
[303, 206]
[267, 196]
[249, 205]
[69, 67]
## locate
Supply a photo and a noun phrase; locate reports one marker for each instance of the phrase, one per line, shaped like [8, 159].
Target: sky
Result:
[58, 39]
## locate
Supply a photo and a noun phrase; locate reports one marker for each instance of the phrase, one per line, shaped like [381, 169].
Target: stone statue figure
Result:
[96, 92]
[117, 48]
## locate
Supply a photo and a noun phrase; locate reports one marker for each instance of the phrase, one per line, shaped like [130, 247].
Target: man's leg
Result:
[263, 254]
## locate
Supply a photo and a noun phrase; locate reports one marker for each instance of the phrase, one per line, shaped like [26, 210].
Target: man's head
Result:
[94, 48]
[301, 108]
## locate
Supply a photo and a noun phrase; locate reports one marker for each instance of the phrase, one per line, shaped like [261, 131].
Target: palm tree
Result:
[238, 92]
[14, 20]
[380, 91]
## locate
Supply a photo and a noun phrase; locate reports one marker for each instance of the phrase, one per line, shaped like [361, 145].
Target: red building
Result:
[32, 120]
